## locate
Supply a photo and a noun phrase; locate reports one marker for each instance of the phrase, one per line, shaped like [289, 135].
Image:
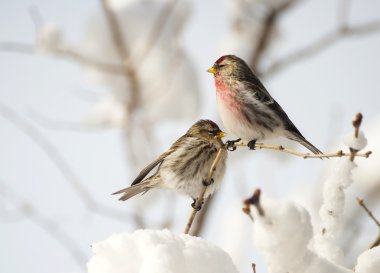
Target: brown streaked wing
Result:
[157, 162]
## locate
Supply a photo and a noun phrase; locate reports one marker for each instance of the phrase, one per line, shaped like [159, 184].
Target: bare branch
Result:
[31, 49]
[200, 199]
[202, 217]
[267, 30]
[254, 267]
[370, 214]
[23, 48]
[122, 49]
[52, 152]
[65, 124]
[321, 44]
[47, 224]
[303, 155]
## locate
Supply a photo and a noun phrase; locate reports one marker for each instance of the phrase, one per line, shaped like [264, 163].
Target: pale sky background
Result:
[321, 95]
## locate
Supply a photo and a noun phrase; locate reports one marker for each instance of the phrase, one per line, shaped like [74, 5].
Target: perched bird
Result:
[185, 166]
[247, 109]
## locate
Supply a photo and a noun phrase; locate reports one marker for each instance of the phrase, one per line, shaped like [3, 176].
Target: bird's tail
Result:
[300, 139]
[131, 191]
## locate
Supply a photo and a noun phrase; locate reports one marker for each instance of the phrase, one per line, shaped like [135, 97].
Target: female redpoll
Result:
[185, 166]
[247, 109]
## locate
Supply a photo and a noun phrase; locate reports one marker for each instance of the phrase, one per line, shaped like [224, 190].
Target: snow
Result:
[49, 38]
[369, 261]
[332, 209]
[355, 143]
[158, 251]
[283, 236]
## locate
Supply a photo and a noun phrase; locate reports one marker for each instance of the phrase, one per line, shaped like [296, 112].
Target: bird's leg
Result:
[194, 205]
[230, 144]
[206, 183]
[251, 144]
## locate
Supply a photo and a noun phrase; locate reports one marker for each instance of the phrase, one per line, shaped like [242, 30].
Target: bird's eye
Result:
[214, 132]
[221, 65]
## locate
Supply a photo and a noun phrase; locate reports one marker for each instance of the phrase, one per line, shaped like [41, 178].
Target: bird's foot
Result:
[230, 144]
[194, 205]
[251, 144]
[207, 183]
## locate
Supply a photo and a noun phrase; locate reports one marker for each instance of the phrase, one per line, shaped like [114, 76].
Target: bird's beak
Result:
[212, 70]
[220, 134]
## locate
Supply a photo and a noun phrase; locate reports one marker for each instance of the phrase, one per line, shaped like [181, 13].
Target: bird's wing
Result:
[258, 90]
[149, 168]
[158, 161]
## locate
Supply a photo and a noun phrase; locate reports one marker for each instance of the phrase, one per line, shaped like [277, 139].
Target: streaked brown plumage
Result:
[185, 165]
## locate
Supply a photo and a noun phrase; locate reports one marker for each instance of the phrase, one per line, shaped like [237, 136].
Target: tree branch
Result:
[321, 44]
[200, 199]
[30, 49]
[266, 32]
[303, 155]
[370, 214]
[64, 168]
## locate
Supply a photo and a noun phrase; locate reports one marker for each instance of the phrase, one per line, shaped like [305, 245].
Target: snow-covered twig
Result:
[199, 201]
[332, 209]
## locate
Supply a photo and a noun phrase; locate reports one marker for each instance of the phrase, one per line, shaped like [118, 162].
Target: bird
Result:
[246, 108]
[185, 166]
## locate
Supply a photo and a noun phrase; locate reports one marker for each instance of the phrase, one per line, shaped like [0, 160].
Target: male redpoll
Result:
[185, 166]
[247, 109]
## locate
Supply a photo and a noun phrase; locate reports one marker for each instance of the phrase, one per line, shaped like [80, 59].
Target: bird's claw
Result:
[207, 183]
[194, 205]
[251, 144]
[230, 144]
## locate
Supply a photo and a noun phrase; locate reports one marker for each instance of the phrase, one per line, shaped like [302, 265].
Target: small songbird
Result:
[247, 109]
[185, 166]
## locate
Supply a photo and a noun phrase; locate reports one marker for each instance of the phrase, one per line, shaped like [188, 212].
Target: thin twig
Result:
[200, 222]
[200, 199]
[30, 49]
[254, 267]
[369, 212]
[123, 52]
[303, 155]
[376, 242]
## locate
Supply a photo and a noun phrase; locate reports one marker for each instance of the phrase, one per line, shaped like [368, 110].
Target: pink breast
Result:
[227, 96]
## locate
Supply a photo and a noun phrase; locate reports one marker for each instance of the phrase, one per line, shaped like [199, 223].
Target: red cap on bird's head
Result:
[218, 61]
